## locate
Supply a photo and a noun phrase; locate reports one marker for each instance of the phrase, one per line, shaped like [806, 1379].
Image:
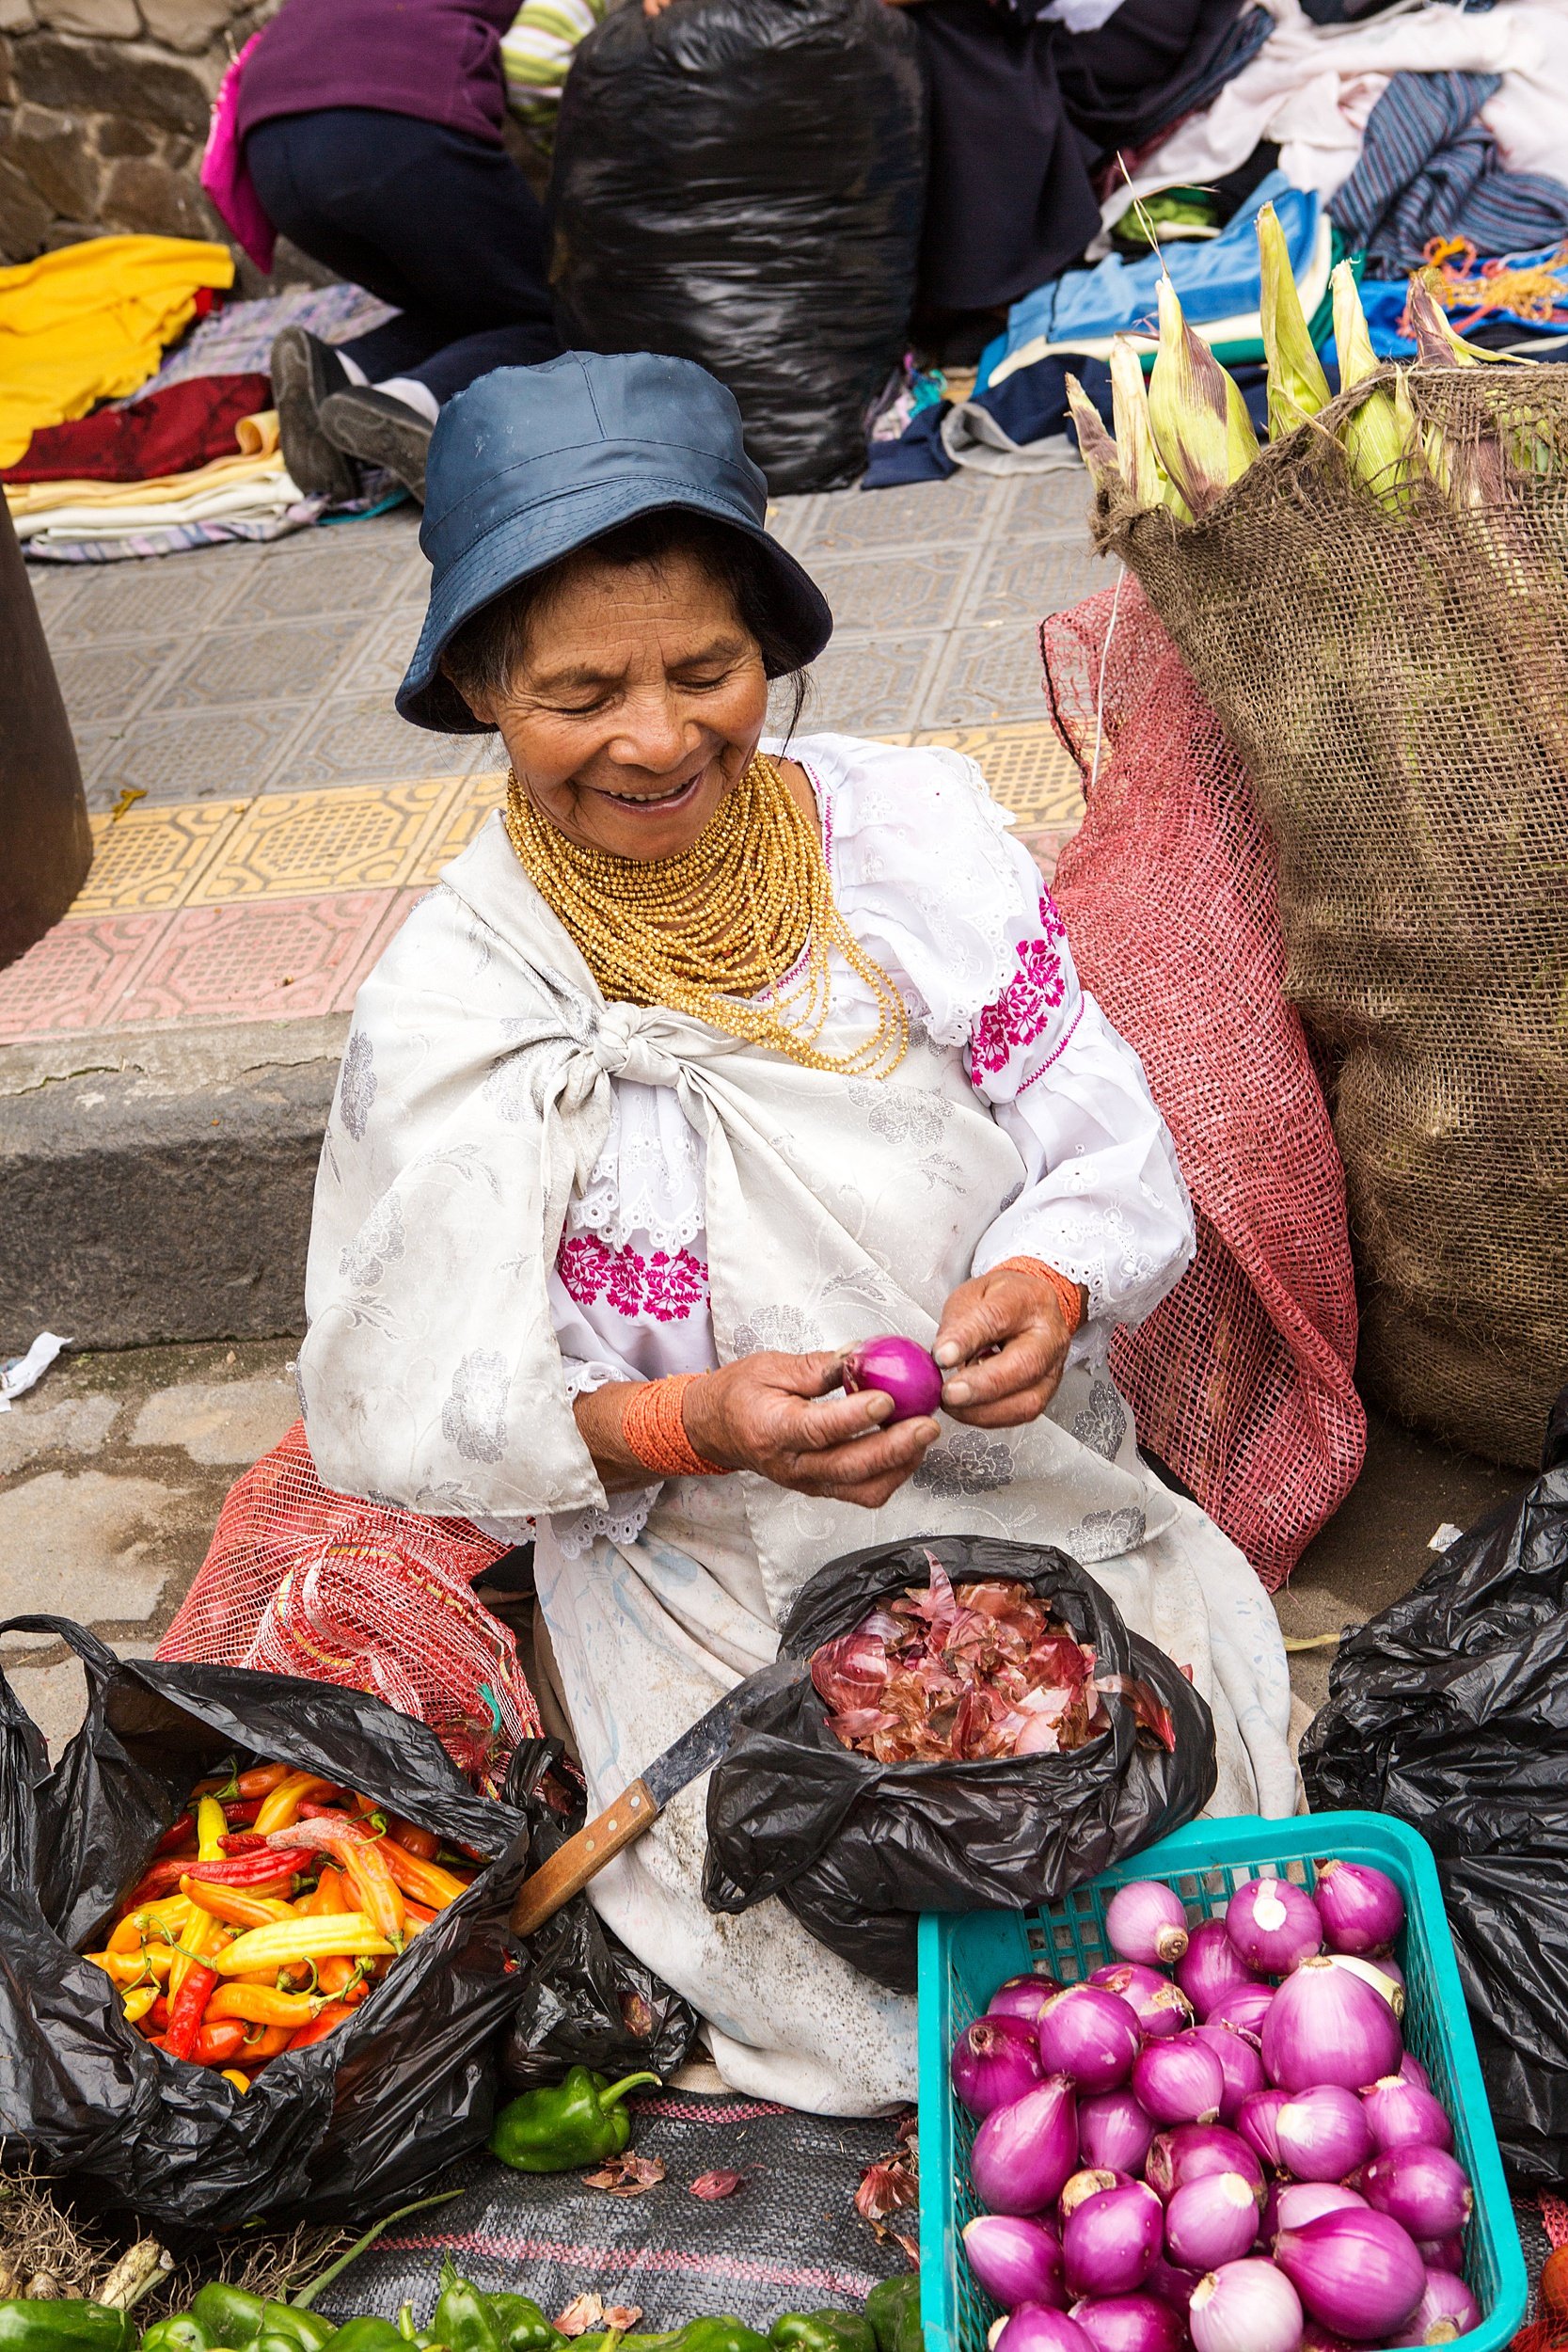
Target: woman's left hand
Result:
[1002, 1344]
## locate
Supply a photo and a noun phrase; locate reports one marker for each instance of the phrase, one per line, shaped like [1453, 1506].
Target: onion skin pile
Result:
[1247, 2165]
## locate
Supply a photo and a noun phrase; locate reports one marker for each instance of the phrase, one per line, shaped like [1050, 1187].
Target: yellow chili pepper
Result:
[172, 1913]
[290, 1940]
[262, 2005]
[138, 2002]
[232, 2074]
[211, 1828]
[202, 1940]
[281, 1806]
[237, 1906]
[126, 1968]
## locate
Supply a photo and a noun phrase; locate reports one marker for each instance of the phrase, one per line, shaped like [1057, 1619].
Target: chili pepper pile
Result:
[268, 1911]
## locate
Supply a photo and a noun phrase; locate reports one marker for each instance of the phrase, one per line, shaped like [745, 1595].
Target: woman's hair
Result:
[481, 656]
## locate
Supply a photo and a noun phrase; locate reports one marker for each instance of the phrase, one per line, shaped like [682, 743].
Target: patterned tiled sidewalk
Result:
[264, 819]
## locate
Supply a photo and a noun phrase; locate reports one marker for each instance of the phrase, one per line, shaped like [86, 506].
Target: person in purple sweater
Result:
[372, 134]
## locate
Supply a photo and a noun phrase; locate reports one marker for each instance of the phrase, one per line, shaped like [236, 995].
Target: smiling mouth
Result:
[653, 802]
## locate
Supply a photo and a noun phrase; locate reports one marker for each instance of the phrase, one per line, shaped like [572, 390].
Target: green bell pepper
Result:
[227, 2315]
[724, 2334]
[522, 2325]
[36, 2325]
[181, 2334]
[822, 2331]
[368, 2335]
[892, 2314]
[463, 2320]
[307, 2330]
[580, 2120]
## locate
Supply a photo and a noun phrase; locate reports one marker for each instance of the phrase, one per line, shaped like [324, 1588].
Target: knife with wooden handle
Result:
[636, 1809]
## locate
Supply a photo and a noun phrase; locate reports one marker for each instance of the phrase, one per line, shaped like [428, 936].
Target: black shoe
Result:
[305, 372]
[380, 430]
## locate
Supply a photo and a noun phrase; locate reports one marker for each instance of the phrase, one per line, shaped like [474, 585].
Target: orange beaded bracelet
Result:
[655, 1432]
[1070, 1295]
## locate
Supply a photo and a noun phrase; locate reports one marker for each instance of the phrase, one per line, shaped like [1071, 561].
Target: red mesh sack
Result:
[299, 1581]
[1241, 1380]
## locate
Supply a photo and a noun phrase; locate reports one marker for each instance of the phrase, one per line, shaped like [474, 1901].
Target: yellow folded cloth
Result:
[258, 436]
[170, 490]
[90, 322]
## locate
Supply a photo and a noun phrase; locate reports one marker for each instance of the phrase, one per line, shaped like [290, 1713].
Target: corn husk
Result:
[1201, 429]
[1095, 445]
[1437, 346]
[1148, 483]
[1376, 441]
[1297, 386]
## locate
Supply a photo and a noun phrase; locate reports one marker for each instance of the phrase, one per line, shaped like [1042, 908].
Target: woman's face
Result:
[636, 707]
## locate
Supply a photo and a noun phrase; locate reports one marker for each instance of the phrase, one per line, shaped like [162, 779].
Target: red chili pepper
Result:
[423, 1844]
[244, 1840]
[246, 1811]
[258, 1867]
[187, 2009]
[176, 1834]
[333, 2016]
[219, 2044]
[317, 1809]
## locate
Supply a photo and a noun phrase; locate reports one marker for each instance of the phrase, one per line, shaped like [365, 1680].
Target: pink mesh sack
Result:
[1242, 1380]
[299, 1581]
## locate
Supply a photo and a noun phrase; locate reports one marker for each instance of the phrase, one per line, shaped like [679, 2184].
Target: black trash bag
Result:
[1451, 1712]
[741, 182]
[586, 2000]
[857, 1850]
[338, 2130]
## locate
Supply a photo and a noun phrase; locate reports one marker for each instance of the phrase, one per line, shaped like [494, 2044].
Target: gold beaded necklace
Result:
[724, 922]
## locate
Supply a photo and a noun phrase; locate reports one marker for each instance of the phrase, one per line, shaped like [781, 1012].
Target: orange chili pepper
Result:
[265, 2043]
[423, 1844]
[336, 2013]
[262, 2005]
[236, 1905]
[329, 1899]
[425, 1881]
[358, 1850]
[258, 1780]
[232, 2074]
[216, 2044]
[126, 1968]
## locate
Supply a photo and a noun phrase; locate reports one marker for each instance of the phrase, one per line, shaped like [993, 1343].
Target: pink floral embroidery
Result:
[668, 1288]
[1021, 1013]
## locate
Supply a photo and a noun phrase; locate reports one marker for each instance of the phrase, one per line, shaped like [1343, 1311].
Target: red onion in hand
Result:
[1023, 1997]
[1424, 2189]
[1113, 2131]
[1130, 2323]
[1034, 2328]
[1022, 2153]
[1273, 1925]
[1194, 2150]
[1247, 2306]
[1357, 2271]
[1360, 1907]
[1210, 2222]
[1324, 2025]
[1146, 1921]
[1090, 2034]
[901, 1369]
[1180, 2081]
[1016, 2260]
[1161, 2007]
[995, 2060]
[1446, 2310]
[1323, 2132]
[1240, 2063]
[1110, 2243]
[1210, 1966]
[1401, 2114]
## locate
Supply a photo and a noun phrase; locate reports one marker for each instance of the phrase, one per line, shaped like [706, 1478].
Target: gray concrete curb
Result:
[156, 1185]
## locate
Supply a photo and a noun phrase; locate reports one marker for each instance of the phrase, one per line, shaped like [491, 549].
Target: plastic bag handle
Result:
[95, 1655]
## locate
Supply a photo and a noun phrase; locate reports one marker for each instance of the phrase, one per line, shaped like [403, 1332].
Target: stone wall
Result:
[103, 109]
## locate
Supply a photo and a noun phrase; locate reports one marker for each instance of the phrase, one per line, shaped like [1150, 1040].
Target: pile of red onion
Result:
[1219, 2139]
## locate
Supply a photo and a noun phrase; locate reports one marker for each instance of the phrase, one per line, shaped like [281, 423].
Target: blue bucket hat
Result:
[530, 464]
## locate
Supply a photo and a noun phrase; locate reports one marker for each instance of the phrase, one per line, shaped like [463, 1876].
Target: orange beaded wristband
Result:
[1070, 1295]
[655, 1432]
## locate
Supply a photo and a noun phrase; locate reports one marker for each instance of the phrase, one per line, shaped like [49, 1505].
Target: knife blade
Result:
[640, 1804]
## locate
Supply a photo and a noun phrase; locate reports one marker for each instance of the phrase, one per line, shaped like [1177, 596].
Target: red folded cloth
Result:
[167, 431]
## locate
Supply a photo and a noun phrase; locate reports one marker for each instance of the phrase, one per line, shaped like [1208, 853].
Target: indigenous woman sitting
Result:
[719, 1052]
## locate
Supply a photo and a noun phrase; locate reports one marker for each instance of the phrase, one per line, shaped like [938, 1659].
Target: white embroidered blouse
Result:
[928, 878]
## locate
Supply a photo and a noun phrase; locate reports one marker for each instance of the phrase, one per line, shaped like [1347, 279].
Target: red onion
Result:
[1089, 2182]
[1325, 2025]
[1110, 2243]
[1247, 2306]
[1146, 1921]
[1113, 2131]
[995, 2061]
[1315, 2337]
[1210, 1966]
[1446, 2310]
[1161, 2007]
[1401, 2114]
[1356, 2270]
[1194, 2151]
[1411, 2070]
[901, 1369]
[1090, 2034]
[1179, 2082]
[1257, 2120]
[1035, 2328]
[1243, 2008]
[1424, 2189]
[1022, 1996]
[1022, 2153]
[1382, 1979]
[1323, 2132]
[1273, 1925]
[1210, 2222]
[1360, 1907]
[1442, 2253]
[1015, 2260]
[1240, 2063]
[1295, 2201]
[1173, 2287]
[1130, 2323]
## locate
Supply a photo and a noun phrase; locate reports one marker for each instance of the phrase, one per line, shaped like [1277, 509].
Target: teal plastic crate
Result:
[964, 1957]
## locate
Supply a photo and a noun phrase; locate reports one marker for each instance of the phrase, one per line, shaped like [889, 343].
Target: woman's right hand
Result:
[779, 1415]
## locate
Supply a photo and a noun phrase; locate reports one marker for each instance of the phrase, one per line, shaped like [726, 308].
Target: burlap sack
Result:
[1397, 685]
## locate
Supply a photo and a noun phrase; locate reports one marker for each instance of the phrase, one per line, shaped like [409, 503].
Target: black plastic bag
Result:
[1451, 1712]
[586, 2000]
[857, 1850]
[339, 2129]
[741, 182]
